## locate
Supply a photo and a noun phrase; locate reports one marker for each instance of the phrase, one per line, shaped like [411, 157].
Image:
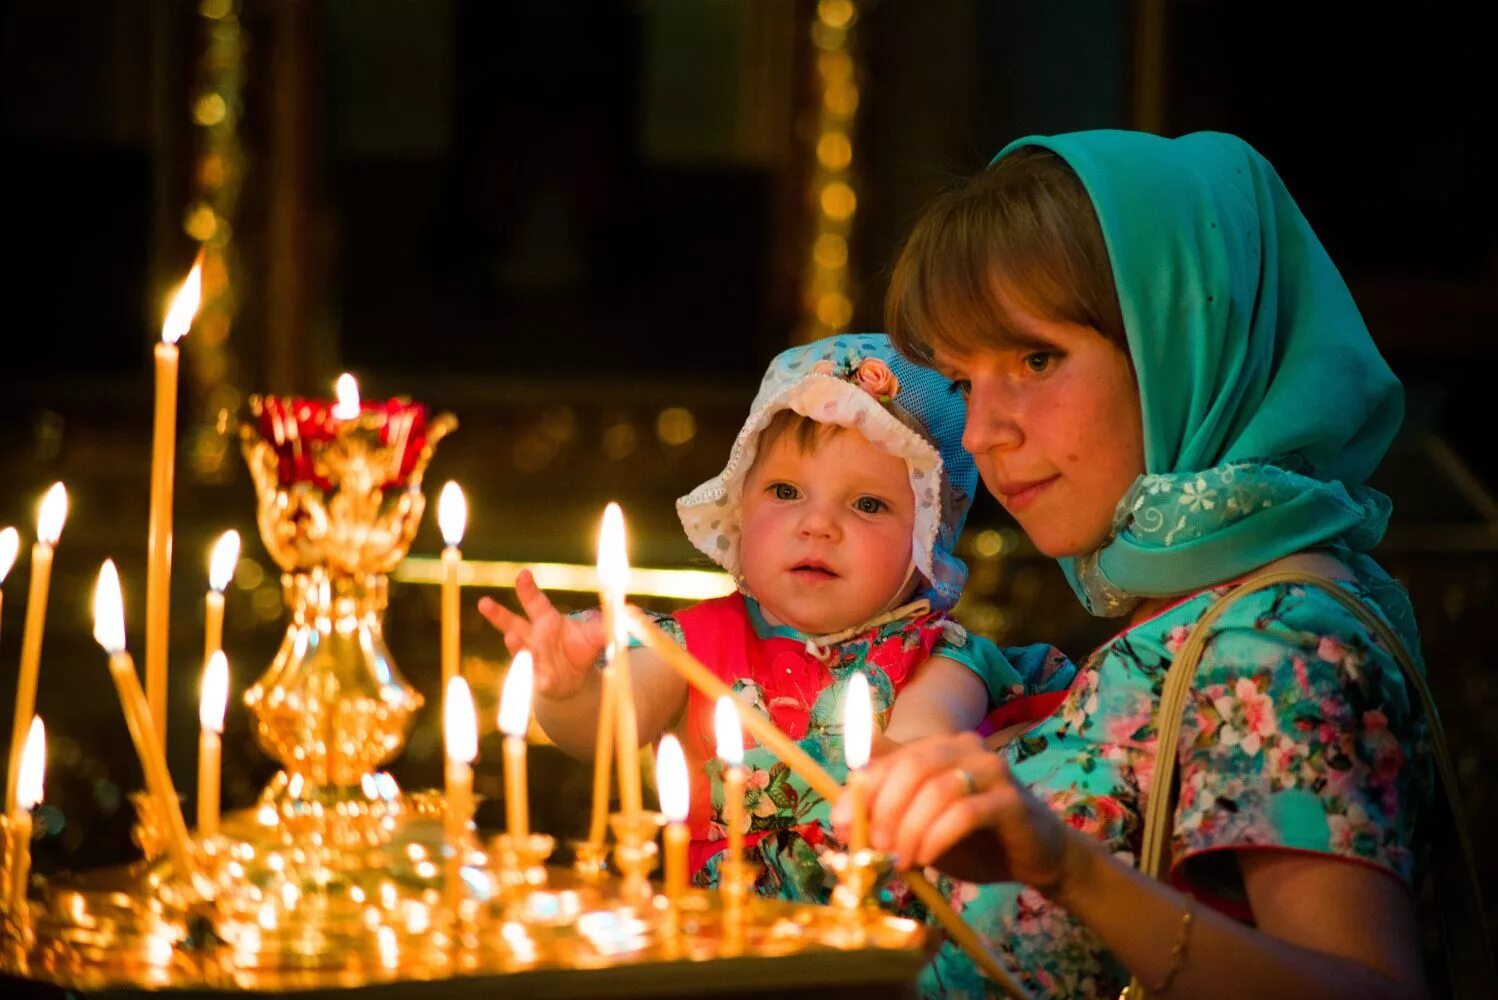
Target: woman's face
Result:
[1054, 425]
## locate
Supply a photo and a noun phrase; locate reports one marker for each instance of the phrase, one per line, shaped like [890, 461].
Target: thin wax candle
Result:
[514, 720]
[49, 521]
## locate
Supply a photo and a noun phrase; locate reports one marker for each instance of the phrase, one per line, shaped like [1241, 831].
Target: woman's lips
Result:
[1018, 496]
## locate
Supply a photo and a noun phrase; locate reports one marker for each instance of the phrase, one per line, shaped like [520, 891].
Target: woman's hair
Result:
[1024, 231]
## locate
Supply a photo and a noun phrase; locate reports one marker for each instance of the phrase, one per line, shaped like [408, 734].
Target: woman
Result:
[1169, 387]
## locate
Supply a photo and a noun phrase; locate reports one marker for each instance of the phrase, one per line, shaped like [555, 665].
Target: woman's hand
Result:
[948, 802]
[565, 649]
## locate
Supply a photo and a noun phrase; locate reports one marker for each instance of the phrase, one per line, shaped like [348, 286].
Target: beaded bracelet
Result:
[1178, 952]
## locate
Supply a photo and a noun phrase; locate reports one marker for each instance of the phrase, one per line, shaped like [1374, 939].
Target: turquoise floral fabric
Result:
[1300, 736]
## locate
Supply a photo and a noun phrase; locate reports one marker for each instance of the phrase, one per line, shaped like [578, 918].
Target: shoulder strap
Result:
[1463, 915]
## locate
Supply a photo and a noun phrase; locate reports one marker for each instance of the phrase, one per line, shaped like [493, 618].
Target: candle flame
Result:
[51, 514]
[215, 696]
[223, 560]
[729, 731]
[33, 767]
[858, 722]
[347, 391]
[452, 514]
[671, 778]
[184, 305]
[613, 557]
[460, 723]
[109, 610]
[10, 544]
[515, 700]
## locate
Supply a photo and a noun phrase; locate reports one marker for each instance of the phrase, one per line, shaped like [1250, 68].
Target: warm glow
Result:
[515, 699]
[109, 610]
[184, 306]
[730, 732]
[215, 694]
[51, 514]
[460, 723]
[671, 779]
[10, 544]
[347, 391]
[452, 514]
[858, 722]
[33, 767]
[225, 557]
[613, 559]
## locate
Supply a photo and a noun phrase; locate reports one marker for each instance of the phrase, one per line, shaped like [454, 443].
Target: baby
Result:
[836, 515]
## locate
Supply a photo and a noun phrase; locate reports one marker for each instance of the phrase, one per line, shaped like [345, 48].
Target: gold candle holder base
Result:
[853, 903]
[736, 878]
[520, 862]
[635, 854]
[589, 859]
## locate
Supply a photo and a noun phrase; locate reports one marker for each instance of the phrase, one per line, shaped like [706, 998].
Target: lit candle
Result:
[109, 632]
[220, 571]
[460, 733]
[49, 520]
[858, 732]
[514, 720]
[452, 518]
[346, 391]
[672, 780]
[28, 797]
[731, 751]
[163, 464]
[613, 582]
[211, 704]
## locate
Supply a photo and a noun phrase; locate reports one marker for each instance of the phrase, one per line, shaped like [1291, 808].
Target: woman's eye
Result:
[869, 505]
[783, 491]
[1039, 361]
[961, 387]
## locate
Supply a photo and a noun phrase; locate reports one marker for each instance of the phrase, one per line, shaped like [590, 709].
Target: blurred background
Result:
[583, 227]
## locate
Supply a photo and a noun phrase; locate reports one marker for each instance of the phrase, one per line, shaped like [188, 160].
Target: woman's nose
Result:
[993, 422]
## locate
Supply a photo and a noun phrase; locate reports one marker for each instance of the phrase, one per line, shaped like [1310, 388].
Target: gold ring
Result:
[969, 783]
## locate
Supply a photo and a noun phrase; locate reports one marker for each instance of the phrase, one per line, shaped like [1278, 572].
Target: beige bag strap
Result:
[1470, 961]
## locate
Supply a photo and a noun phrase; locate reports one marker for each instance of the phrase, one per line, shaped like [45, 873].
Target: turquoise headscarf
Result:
[1265, 402]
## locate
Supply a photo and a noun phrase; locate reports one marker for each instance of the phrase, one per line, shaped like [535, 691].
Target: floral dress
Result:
[802, 693]
[1299, 736]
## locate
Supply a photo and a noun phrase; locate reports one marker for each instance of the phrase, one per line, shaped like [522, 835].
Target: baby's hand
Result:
[565, 649]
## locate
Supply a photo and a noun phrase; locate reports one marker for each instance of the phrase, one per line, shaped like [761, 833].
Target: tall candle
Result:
[220, 571]
[49, 520]
[460, 734]
[674, 784]
[858, 732]
[109, 631]
[211, 704]
[514, 720]
[28, 797]
[163, 464]
[731, 751]
[603, 756]
[452, 518]
[613, 582]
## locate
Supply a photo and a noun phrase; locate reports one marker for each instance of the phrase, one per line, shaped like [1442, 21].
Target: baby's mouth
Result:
[813, 569]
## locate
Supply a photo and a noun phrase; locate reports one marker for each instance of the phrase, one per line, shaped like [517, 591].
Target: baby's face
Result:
[827, 534]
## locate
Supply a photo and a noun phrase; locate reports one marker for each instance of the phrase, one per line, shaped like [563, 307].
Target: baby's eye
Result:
[961, 387]
[870, 505]
[783, 491]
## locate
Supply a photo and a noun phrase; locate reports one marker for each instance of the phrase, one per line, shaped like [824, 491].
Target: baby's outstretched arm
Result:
[942, 697]
[567, 681]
